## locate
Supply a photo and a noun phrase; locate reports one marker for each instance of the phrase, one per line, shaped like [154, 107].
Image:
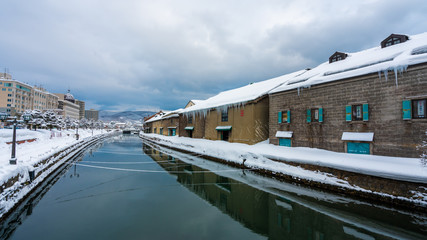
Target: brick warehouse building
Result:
[236, 115]
[371, 102]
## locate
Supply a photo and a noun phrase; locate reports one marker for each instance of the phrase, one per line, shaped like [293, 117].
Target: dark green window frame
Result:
[224, 116]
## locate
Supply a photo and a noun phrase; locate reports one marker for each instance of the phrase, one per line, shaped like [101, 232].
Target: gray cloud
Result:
[142, 54]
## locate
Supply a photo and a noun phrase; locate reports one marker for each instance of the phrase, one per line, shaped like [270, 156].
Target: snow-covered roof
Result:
[196, 101]
[157, 116]
[375, 60]
[242, 95]
[165, 115]
[171, 114]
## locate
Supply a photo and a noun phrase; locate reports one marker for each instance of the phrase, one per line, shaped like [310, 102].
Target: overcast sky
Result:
[150, 55]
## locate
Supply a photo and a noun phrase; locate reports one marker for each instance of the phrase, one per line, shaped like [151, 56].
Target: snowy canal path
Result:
[126, 188]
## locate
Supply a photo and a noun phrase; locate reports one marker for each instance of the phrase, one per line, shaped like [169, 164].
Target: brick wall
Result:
[393, 136]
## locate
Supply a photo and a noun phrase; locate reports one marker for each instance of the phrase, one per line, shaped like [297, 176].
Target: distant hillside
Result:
[123, 116]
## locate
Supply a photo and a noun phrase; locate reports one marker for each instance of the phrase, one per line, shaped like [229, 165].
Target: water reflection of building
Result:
[267, 214]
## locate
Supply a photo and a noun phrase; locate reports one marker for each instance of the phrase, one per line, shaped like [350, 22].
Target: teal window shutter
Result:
[308, 115]
[320, 114]
[348, 113]
[289, 116]
[407, 109]
[279, 117]
[365, 112]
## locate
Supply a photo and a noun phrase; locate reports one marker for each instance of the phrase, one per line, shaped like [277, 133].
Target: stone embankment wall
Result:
[17, 188]
[393, 192]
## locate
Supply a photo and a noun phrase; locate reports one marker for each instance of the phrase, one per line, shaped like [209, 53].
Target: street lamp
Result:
[14, 121]
[27, 117]
[77, 132]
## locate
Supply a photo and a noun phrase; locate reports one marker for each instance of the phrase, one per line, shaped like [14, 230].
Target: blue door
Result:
[285, 142]
[173, 132]
[359, 148]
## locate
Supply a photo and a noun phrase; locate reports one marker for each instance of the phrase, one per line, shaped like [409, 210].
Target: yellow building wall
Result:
[249, 123]
[198, 123]
[165, 124]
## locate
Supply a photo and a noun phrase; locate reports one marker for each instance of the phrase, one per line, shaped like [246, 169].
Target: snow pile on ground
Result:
[259, 155]
[30, 153]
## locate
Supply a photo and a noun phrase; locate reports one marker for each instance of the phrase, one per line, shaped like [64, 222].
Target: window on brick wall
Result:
[419, 107]
[284, 116]
[357, 112]
[414, 109]
[315, 115]
[190, 119]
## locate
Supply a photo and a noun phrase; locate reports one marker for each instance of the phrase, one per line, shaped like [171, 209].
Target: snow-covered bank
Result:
[33, 156]
[260, 157]
[404, 169]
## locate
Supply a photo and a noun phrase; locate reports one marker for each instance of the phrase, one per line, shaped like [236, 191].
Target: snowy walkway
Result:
[30, 153]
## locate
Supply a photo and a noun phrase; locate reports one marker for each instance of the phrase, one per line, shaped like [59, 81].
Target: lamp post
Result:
[27, 118]
[77, 132]
[14, 121]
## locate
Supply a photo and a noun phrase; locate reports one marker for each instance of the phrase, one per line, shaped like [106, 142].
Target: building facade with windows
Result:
[237, 115]
[81, 108]
[92, 114]
[192, 125]
[163, 123]
[15, 96]
[370, 102]
[67, 103]
[43, 99]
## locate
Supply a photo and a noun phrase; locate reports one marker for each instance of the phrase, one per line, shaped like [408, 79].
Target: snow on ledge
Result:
[284, 134]
[358, 136]
[223, 128]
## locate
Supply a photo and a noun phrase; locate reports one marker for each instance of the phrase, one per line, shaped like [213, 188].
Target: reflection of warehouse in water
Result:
[264, 213]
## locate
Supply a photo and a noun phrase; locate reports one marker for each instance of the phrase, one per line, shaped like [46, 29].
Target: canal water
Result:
[126, 188]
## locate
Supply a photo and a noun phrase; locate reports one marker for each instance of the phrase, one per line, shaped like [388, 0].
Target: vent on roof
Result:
[337, 56]
[358, 67]
[394, 39]
[297, 81]
[419, 50]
